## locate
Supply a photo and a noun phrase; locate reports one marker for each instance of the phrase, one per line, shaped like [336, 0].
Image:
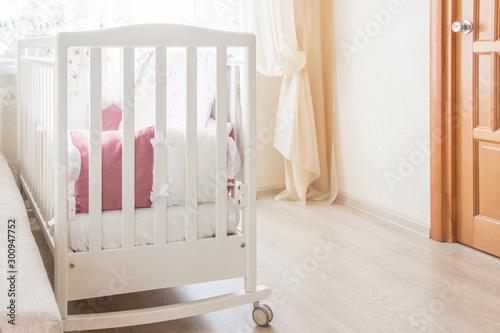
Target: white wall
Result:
[382, 111]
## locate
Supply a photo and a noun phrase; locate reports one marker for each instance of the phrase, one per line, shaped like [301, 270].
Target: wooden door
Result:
[477, 132]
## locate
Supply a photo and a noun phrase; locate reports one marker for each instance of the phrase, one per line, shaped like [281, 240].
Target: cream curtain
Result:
[294, 40]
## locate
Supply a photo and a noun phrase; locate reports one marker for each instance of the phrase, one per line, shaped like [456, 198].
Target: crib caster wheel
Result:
[269, 312]
[261, 316]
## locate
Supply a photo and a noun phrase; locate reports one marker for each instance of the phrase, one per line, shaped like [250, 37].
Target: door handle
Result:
[465, 27]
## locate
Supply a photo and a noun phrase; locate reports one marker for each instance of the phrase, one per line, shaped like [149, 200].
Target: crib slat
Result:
[26, 121]
[51, 142]
[39, 124]
[128, 150]
[191, 146]
[41, 117]
[27, 92]
[221, 150]
[20, 136]
[95, 152]
[41, 133]
[48, 143]
[37, 130]
[33, 127]
[249, 153]
[20, 96]
[36, 111]
[30, 126]
[35, 121]
[45, 114]
[161, 150]
[60, 119]
[43, 136]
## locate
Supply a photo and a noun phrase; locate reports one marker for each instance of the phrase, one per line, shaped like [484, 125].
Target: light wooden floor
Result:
[334, 269]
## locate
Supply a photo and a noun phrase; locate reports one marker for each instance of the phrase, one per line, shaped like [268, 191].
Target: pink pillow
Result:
[111, 118]
[112, 169]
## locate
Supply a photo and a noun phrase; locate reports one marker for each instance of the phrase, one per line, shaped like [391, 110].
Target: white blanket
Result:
[176, 165]
[144, 225]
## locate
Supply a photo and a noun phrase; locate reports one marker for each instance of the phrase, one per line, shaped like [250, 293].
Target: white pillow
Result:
[74, 160]
[176, 165]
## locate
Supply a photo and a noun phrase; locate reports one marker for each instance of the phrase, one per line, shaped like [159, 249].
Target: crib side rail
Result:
[36, 137]
[147, 35]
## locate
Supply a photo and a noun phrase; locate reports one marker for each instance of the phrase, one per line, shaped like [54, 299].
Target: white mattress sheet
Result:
[144, 225]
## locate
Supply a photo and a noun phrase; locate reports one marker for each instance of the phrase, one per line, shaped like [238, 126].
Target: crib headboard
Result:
[43, 118]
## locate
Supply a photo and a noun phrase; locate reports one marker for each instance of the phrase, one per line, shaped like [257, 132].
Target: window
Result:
[37, 18]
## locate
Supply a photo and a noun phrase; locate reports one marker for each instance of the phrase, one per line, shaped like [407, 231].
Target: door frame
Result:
[442, 121]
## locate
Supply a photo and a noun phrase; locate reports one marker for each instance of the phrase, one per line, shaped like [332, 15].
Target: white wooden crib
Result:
[43, 161]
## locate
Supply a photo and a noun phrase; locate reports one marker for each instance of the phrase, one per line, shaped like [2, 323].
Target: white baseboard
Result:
[383, 214]
[269, 191]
